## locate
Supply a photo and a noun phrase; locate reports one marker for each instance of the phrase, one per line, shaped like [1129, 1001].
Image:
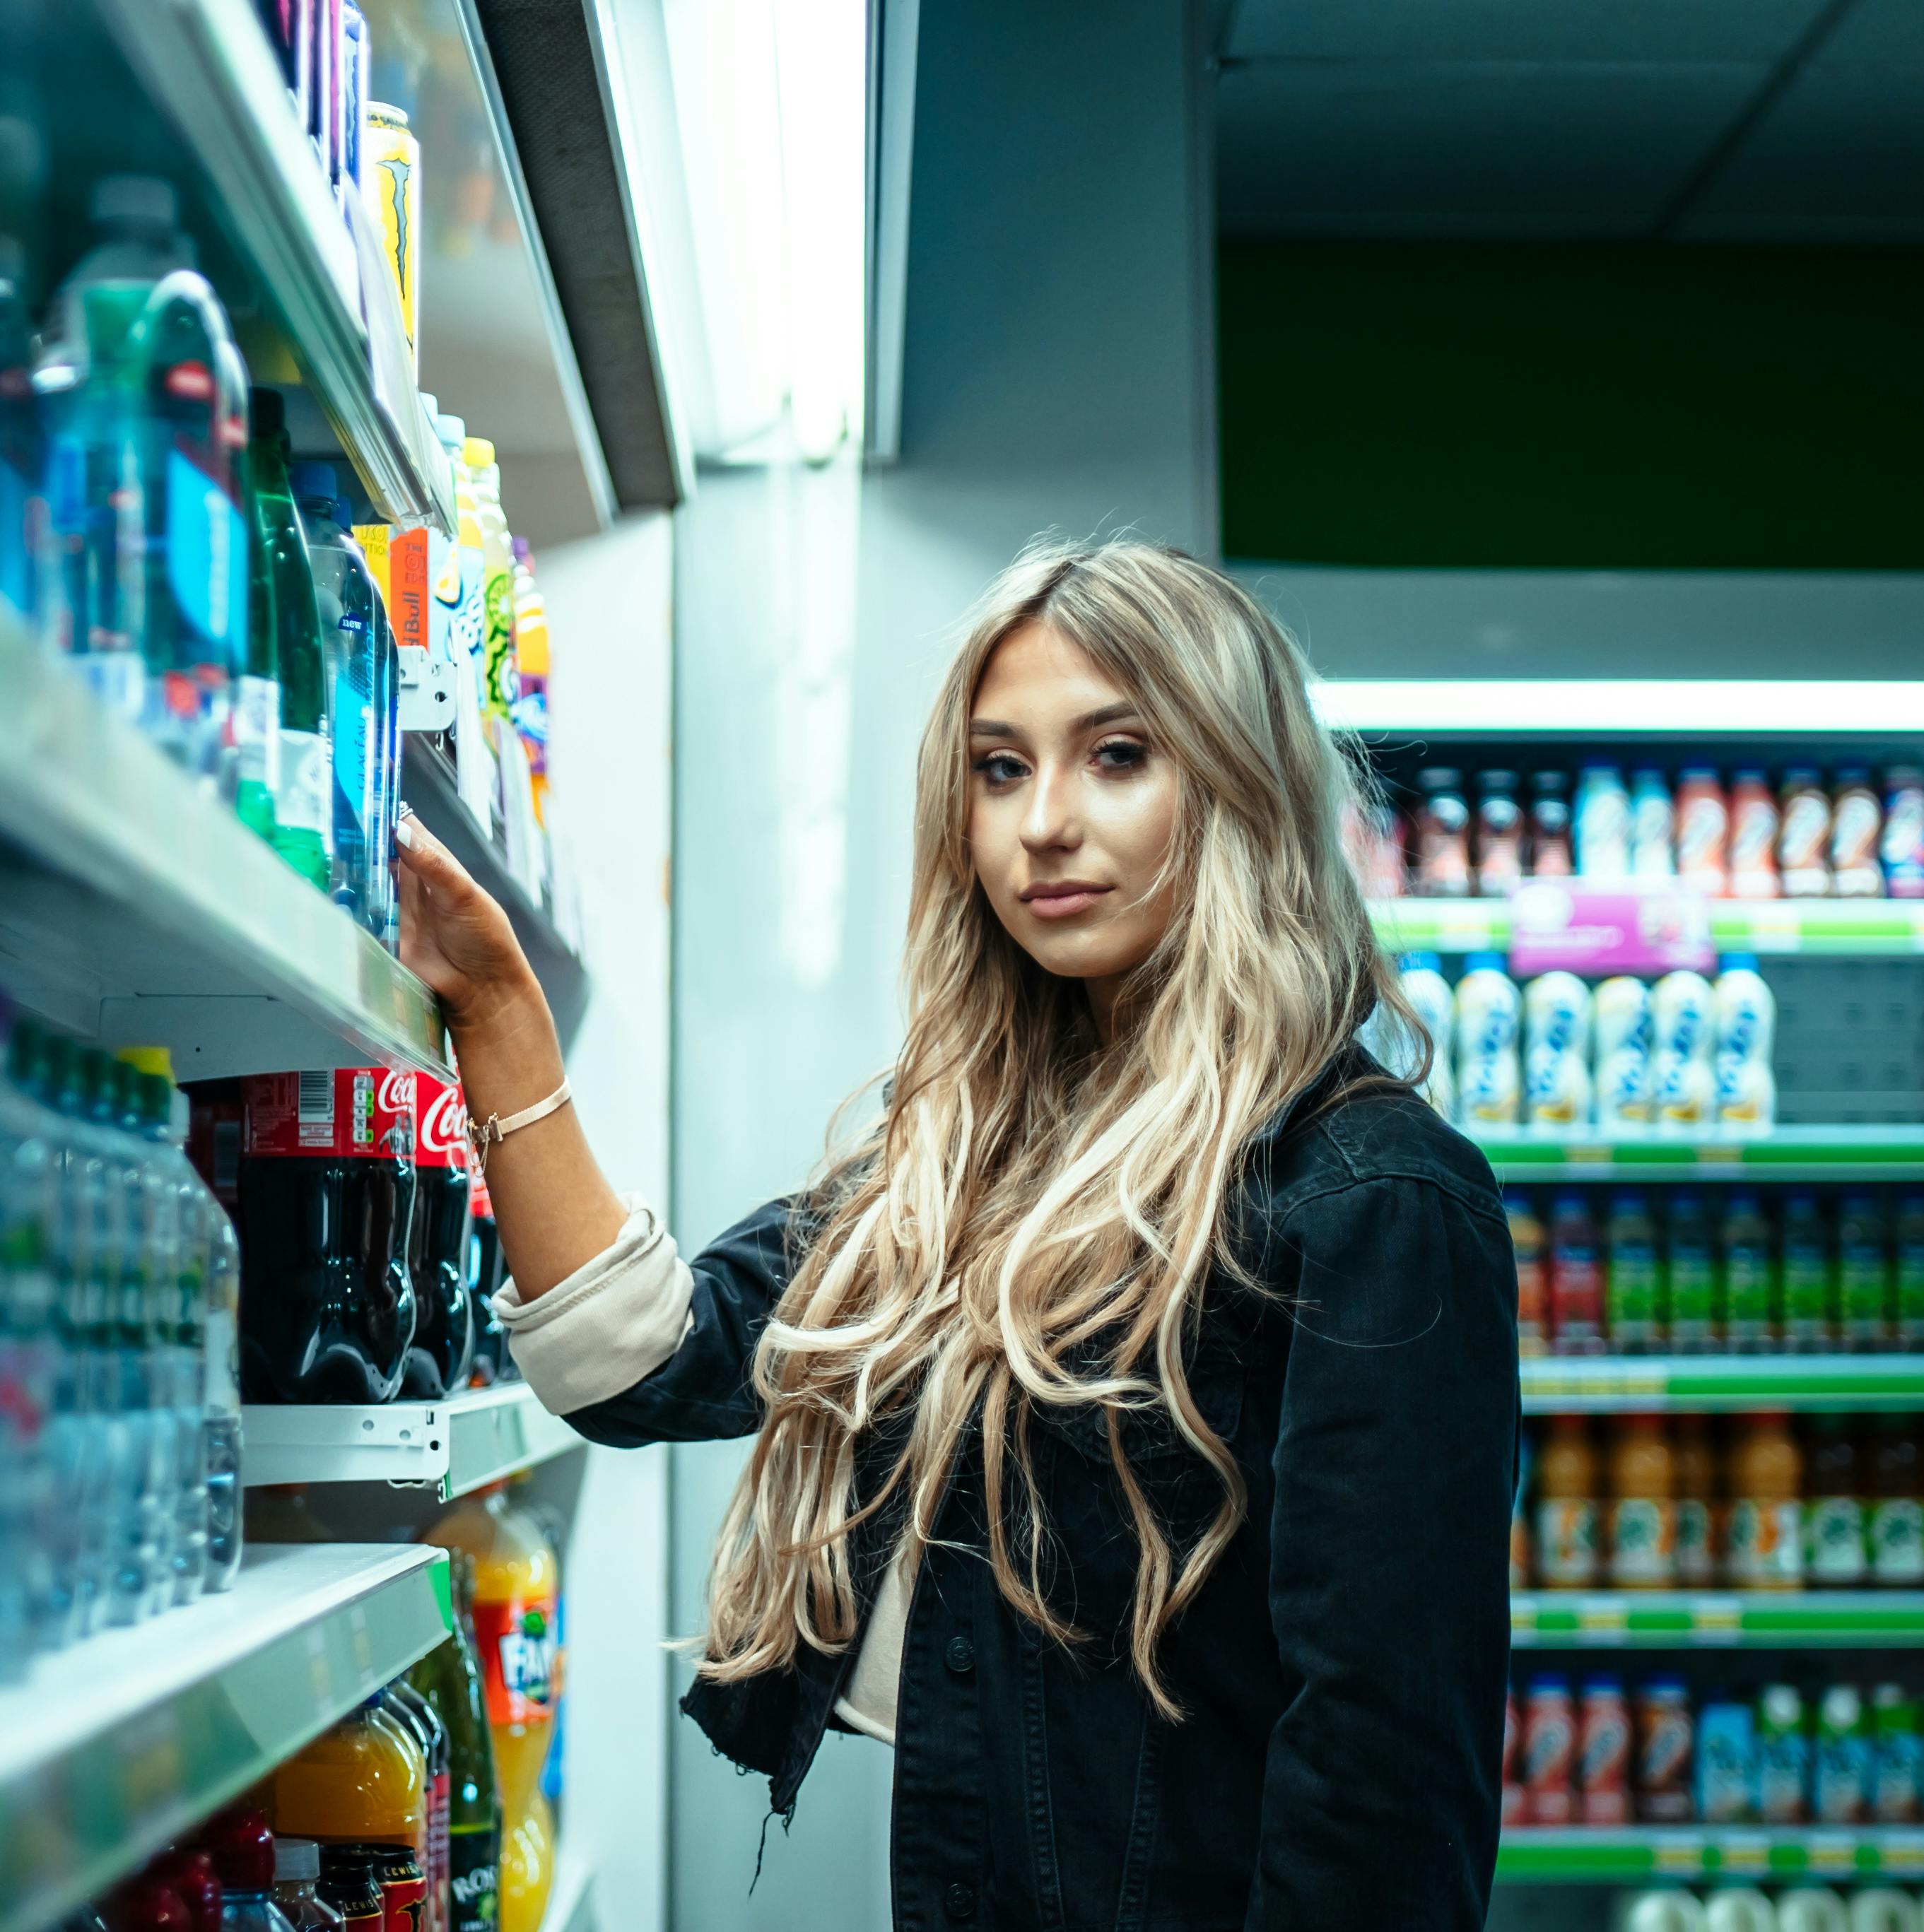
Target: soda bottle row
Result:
[1733, 1271]
[367, 1254]
[119, 1416]
[156, 532]
[1644, 1502]
[1854, 837]
[1743, 1908]
[1596, 1754]
[1631, 1058]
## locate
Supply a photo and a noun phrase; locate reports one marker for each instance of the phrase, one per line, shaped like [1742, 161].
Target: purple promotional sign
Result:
[1564, 924]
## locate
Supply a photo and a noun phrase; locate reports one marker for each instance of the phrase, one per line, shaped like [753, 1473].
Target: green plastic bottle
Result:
[1748, 1308]
[301, 825]
[1861, 1316]
[1690, 1274]
[1633, 1285]
[1807, 1291]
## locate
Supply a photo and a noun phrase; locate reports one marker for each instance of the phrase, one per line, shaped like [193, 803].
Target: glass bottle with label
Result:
[1834, 1555]
[1690, 1274]
[401, 1700]
[1764, 1480]
[296, 1883]
[1861, 1316]
[1500, 834]
[1908, 1289]
[1807, 1288]
[1696, 1464]
[1532, 1272]
[1896, 1528]
[1748, 1288]
[1642, 1512]
[1576, 1278]
[1633, 1315]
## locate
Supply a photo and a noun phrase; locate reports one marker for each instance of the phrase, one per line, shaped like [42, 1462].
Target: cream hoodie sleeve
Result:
[612, 1322]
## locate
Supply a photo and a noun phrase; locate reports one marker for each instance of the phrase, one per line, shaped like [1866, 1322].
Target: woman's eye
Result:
[999, 767]
[1121, 755]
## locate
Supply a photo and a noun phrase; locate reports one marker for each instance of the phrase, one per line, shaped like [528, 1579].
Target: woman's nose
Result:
[1050, 822]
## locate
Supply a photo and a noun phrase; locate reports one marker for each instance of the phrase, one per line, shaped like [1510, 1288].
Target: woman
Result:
[1135, 1406]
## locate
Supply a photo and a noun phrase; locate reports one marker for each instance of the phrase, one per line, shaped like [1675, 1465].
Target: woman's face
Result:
[1072, 807]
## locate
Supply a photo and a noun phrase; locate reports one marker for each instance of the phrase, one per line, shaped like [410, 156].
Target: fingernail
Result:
[405, 833]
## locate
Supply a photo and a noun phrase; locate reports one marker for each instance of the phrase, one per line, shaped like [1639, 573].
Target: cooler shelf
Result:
[1881, 1152]
[1577, 1619]
[109, 1749]
[208, 65]
[137, 910]
[1553, 1384]
[1844, 928]
[1539, 1855]
[452, 1448]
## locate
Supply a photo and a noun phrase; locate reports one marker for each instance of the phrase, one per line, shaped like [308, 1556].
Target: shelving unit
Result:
[451, 1447]
[137, 910]
[1539, 1855]
[1559, 1384]
[208, 65]
[1836, 928]
[1674, 1620]
[109, 1749]
[1808, 1153]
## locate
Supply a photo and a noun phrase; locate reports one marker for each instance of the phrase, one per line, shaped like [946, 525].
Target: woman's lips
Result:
[1065, 905]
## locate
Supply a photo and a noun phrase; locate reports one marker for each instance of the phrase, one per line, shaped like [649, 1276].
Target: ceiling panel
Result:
[1529, 30]
[1420, 147]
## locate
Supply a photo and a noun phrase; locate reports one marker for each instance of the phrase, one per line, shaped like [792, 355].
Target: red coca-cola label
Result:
[442, 1139]
[341, 1113]
[479, 1204]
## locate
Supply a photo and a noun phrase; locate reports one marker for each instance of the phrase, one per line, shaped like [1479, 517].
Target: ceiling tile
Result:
[1559, 30]
[1420, 148]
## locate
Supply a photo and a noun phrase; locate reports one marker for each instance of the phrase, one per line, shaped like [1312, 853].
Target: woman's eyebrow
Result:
[1090, 721]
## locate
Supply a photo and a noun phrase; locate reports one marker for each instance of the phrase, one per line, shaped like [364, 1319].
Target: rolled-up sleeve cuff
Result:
[610, 1323]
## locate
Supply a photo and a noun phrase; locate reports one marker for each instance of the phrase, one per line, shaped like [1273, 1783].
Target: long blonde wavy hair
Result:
[1031, 1224]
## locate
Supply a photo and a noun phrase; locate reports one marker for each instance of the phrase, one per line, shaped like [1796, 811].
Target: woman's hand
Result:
[554, 1209]
[454, 935]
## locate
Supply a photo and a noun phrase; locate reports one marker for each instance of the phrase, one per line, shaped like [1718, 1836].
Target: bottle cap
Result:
[150, 1059]
[1497, 781]
[477, 452]
[309, 479]
[383, 114]
[1550, 782]
[141, 200]
[295, 1860]
[453, 432]
[1484, 962]
[1740, 962]
[242, 1849]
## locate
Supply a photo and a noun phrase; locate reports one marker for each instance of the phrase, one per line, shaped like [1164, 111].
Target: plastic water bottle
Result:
[363, 683]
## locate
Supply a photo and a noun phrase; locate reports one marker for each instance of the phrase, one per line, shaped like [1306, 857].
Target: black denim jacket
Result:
[1342, 1670]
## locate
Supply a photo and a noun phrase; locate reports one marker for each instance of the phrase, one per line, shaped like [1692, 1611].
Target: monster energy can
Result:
[391, 181]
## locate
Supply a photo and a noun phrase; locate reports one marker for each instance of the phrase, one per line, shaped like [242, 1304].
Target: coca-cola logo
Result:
[396, 1093]
[444, 1126]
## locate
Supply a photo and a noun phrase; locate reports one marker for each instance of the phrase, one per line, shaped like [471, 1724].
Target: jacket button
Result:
[960, 1655]
[959, 1901]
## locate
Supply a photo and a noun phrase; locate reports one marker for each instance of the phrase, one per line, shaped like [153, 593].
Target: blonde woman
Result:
[1134, 1406]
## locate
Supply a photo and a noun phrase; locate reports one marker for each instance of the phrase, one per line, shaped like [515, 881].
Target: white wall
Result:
[1057, 377]
[609, 600]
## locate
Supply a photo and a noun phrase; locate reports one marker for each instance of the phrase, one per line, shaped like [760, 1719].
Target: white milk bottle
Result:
[1814, 1908]
[1739, 1908]
[1621, 1032]
[1879, 1909]
[1426, 989]
[1683, 1086]
[1601, 824]
[1746, 1022]
[1658, 1911]
[1556, 1062]
[1489, 1010]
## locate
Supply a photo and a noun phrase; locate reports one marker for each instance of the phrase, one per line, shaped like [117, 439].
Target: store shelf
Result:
[1888, 1153]
[208, 64]
[1633, 708]
[1668, 1620]
[1536, 1854]
[111, 1748]
[452, 1448]
[136, 909]
[1837, 928]
[1558, 1385]
[429, 784]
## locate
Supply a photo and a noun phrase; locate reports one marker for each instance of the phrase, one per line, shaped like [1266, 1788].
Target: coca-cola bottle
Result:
[326, 1198]
[492, 1361]
[443, 1351]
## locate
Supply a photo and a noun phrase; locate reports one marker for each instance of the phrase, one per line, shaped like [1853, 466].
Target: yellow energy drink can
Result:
[391, 179]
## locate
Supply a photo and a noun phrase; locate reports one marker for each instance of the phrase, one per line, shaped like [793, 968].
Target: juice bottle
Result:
[1633, 1282]
[1696, 1483]
[401, 1699]
[1747, 1300]
[1803, 835]
[1652, 827]
[1807, 1291]
[1764, 1479]
[348, 1884]
[1500, 835]
[364, 1783]
[242, 1848]
[1443, 834]
[1753, 825]
[1896, 1530]
[515, 1580]
[1567, 1486]
[1835, 1556]
[1551, 854]
[1703, 832]
[1861, 1315]
[1532, 1272]
[1690, 1275]
[1643, 1513]
[1856, 831]
[531, 654]
[1576, 1278]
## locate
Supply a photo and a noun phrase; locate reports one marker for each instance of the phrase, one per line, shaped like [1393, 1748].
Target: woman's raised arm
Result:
[554, 1207]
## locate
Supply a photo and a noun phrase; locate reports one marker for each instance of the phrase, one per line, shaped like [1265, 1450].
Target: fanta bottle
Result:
[516, 1579]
